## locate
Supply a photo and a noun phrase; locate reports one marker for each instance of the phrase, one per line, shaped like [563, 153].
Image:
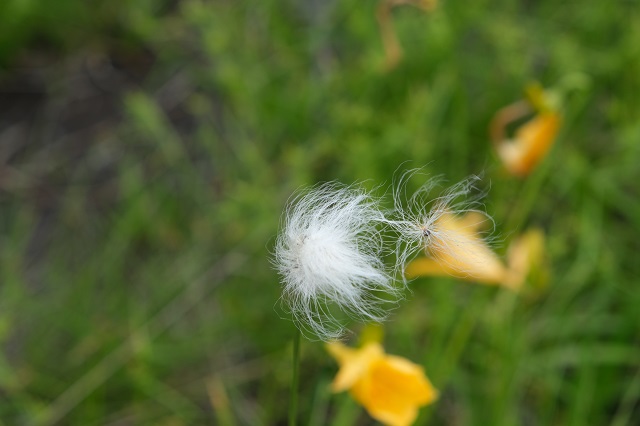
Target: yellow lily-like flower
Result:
[530, 145]
[526, 261]
[462, 252]
[390, 388]
[531, 141]
[466, 255]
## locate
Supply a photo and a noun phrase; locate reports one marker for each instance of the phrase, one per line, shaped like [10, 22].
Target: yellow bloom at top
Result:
[390, 388]
[531, 141]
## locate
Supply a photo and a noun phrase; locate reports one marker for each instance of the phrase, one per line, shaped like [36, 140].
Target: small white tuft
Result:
[423, 224]
[328, 254]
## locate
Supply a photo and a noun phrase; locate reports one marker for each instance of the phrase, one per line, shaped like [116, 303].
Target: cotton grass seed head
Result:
[422, 223]
[328, 255]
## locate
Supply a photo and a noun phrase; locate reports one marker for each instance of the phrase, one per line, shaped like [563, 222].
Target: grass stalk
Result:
[293, 401]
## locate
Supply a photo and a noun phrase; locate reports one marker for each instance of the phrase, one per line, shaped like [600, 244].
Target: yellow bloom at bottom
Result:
[390, 388]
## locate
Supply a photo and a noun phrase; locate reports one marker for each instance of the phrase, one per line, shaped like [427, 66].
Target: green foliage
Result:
[73, 24]
[150, 298]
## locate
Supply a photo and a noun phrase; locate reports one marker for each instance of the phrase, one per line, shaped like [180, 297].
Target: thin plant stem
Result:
[293, 401]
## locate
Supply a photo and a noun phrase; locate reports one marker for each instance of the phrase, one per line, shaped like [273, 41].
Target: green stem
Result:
[293, 402]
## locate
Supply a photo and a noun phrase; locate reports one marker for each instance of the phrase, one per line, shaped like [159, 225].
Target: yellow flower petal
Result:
[353, 363]
[471, 222]
[390, 388]
[425, 267]
[393, 390]
[460, 252]
[525, 255]
[531, 143]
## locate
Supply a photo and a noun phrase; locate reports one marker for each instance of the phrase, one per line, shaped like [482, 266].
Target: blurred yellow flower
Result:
[392, 48]
[526, 261]
[390, 388]
[462, 253]
[532, 140]
[466, 255]
[531, 143]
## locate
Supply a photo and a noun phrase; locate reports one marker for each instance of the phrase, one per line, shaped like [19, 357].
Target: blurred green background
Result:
[147, 149]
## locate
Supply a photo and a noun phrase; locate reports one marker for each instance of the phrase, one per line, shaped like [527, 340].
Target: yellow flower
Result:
[469, 257]
[532, 140]
[463, 253]
[526, 261]
[389, 387]
[530, 145]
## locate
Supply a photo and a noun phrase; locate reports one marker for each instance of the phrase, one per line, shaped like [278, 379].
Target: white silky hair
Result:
[416, 220]
[328, 254]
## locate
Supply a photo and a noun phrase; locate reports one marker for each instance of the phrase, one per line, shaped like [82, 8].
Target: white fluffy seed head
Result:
[328, 255]
[420, 221]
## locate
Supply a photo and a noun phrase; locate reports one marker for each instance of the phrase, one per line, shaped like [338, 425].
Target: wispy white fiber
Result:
[328, 254]
[419, 219]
